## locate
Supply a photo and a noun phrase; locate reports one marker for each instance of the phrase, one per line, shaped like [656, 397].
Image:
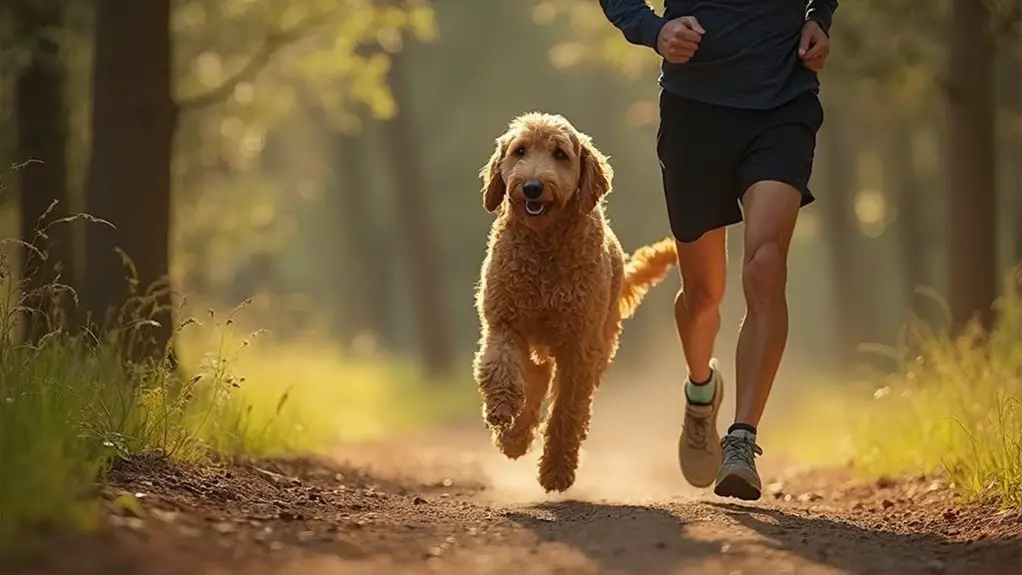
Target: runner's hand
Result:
[814, 47]
[679, 39]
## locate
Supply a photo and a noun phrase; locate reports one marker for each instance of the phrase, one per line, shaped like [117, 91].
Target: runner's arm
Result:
[821, 12]
[636, 20]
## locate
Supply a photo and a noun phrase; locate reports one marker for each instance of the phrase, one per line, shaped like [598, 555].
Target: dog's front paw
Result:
[558, 476]
[514, 442]
[500, 412]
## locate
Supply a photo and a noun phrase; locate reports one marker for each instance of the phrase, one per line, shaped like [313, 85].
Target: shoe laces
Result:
[740, 449]
[699, 417]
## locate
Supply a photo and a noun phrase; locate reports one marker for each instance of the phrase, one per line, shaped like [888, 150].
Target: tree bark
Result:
[369, 250]
[972, 191]
[422, 251]
[133, 124]
[840, 228]
[912, 236]
[42, 127]
[1013, 94]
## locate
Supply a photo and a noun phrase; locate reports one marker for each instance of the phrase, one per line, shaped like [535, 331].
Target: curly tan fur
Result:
[554, 289]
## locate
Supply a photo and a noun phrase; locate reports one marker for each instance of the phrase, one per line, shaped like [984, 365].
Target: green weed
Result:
[70, 404]
[949, 405]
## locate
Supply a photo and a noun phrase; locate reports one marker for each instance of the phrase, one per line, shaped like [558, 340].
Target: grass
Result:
[70, 408]
[950, 405]
[306, 395]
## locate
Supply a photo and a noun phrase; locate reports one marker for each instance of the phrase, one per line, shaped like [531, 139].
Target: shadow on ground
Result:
[721, 537]
[636, 539]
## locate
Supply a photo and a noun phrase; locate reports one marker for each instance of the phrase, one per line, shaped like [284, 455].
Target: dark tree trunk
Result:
[972, 192]
[43, 135]
[421, 248]
[129, 175]
[1012, 76]
[912, 236]
[366, 304]
[839, 223]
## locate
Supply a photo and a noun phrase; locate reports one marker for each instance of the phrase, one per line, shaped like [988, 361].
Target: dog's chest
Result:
[554, 295]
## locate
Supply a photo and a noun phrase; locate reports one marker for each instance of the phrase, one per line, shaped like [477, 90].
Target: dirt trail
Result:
[445, 502]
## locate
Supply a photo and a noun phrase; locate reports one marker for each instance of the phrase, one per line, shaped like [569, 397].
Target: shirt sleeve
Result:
[636, 20]
[821, 12]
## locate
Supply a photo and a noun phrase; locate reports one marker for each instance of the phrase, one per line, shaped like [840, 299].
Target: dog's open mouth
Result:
[535, 208]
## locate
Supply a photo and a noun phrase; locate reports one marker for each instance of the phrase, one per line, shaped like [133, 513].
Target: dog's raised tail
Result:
[645, 268]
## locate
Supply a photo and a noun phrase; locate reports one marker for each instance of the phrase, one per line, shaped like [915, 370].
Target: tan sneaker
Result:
[699, 449]
[738, 476]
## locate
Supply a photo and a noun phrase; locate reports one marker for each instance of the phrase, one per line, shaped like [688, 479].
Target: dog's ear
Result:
[595, 175]
[494, 187]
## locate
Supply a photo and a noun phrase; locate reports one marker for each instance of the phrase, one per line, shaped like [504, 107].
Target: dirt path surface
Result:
[445, 502]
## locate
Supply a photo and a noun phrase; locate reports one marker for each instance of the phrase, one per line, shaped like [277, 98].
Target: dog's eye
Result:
[560, 154]
[520, 151]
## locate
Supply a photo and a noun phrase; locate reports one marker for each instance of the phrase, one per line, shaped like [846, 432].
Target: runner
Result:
[739, 113]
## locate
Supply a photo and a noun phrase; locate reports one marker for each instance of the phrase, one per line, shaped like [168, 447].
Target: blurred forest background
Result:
[322, 158]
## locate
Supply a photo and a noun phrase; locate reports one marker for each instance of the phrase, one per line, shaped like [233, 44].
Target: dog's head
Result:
[544, 169]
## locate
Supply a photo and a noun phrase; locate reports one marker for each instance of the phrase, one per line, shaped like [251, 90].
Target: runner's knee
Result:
[764, 274]
[700, 301]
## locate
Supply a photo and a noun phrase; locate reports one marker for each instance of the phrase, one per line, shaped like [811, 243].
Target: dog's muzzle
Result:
[533, 192]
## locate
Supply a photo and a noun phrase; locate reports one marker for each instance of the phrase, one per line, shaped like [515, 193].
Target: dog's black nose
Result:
[532, 189]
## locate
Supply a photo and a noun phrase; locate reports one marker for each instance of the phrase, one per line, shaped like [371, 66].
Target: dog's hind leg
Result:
[498, 370]
[515, 441]
[578, 376]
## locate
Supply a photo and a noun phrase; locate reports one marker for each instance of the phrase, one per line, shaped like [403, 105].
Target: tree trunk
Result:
[422, 251]
[972, 190]
[1013, 179]
[129, 183]
[43, 135]
[839, 223]
[912, 237]
[367, 304]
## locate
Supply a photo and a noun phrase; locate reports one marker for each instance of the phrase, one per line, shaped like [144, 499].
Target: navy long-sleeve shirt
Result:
[748, 57]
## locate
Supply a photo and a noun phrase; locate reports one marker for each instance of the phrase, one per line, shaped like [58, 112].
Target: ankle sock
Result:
[742, 427]
[701, 383]
[701, 393]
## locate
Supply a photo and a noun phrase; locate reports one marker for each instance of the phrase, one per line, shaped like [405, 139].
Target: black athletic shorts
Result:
[710, 155]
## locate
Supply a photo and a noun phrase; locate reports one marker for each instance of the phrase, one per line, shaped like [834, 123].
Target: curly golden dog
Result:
[554, 288]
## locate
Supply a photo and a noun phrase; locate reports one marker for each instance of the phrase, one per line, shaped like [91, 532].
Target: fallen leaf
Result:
[128, 504]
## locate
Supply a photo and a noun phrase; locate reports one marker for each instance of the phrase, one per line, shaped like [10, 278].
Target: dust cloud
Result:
[630, 455]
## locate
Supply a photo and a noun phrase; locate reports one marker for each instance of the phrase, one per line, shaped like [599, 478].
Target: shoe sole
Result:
[735, 486]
